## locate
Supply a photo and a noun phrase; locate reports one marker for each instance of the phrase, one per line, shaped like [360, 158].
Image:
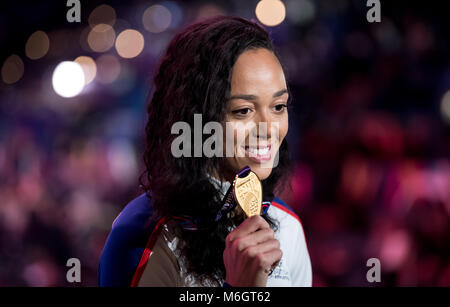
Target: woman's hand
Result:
[251, 251]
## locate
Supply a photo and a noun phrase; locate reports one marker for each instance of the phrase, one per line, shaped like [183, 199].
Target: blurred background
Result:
[369, 130]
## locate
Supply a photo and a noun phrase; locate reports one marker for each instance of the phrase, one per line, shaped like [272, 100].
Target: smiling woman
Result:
[226, 70]
[258, 95]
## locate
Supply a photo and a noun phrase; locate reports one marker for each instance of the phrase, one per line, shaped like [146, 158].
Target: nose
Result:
[263, 125]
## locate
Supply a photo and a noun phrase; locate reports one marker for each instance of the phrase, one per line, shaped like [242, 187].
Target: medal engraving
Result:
[248, 193]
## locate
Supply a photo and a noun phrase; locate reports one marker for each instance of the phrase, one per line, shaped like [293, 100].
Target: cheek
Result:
[235, 135]
[284, 127]
[279, 130]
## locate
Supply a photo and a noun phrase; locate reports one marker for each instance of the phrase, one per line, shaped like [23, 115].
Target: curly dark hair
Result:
[194, 76]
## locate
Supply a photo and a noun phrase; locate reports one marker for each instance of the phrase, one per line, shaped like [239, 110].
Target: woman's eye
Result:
[244, 111]
[280, 107]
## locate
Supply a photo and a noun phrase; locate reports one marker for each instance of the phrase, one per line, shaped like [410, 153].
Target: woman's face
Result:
[258, 95]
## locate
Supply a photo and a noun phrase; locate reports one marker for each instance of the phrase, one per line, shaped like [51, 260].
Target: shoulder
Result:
[290, 225]
[126, 243]
[280, 209]
[135, 212]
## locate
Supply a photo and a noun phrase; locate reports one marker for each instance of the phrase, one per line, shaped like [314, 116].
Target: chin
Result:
[262, 172]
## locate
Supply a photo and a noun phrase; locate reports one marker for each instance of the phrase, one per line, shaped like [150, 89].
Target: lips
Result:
[259, 154]
[260, 151]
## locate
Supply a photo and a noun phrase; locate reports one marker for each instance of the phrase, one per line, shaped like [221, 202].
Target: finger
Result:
[250, 225]
[255, 238]
[273, 258]
[264, 261]
[263, 248]
[276, 264]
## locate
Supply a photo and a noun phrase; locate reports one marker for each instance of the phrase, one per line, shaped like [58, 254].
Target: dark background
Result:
[368, 134]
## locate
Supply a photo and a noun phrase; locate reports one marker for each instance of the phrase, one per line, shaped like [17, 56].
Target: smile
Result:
[258, 154]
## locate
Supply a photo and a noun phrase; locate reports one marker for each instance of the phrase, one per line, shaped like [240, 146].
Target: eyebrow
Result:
[254, 97]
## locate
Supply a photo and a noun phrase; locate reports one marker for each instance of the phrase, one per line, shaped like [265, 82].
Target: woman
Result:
[177, 234]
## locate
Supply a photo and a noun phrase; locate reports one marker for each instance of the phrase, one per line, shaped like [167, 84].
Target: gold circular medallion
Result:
[248, 193]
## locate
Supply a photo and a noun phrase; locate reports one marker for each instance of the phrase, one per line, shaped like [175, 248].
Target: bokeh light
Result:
[445, 107]
[68, 79]
[37, 45]
[101, 37]
[89, 68]
[108, 69]
[388, 36]
[270, 12]
[102, 14]
[12, 69]
[176, 12]
[129, 43]
[300, 11]
[156, 18]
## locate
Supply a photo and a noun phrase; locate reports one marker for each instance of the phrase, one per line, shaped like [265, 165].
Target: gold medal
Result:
[248, 193]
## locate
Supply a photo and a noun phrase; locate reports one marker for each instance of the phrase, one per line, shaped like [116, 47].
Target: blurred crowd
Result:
[369, 137]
